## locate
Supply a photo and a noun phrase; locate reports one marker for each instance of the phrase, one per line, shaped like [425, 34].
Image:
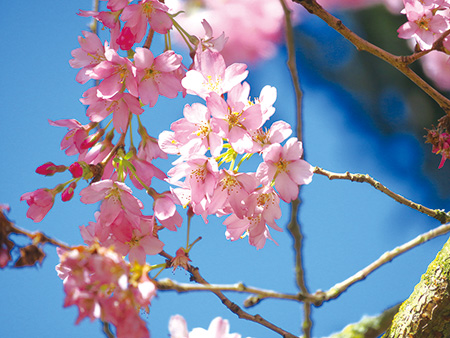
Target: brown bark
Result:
[426, 313]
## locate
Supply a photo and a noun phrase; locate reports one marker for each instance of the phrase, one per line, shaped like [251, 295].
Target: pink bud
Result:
[68, 193]
[49, 169]
[91, 140]
[76, 170]
[126, 39]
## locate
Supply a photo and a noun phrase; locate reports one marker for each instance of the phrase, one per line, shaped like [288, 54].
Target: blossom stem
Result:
[146, 187]
[185, 35]
[149, 39]
[189, 215]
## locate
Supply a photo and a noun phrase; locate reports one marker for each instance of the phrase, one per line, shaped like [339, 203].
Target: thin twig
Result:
[388, 256]
[7, 227]
[196, 276]
[440, 215]
[169, 284]
[399, 62]
[294, 226]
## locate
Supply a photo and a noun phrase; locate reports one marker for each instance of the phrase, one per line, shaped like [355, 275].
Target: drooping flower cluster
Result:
[219, 132]
[99, 282]
[219, 328]
[227, 126]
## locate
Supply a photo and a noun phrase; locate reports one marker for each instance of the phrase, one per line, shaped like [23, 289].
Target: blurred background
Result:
[360, 115]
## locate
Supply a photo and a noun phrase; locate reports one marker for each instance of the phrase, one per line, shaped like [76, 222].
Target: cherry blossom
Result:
[218, 328]
[120, 105]
[75, 136]
[138, 16]
[40, 202]
[210, 74]
[91, 53]
[424, 24]
[157, 76]
[116, 72]
[283, 165]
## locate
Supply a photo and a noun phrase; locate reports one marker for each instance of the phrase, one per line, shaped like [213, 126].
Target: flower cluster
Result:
[103, 286]
[228, 126]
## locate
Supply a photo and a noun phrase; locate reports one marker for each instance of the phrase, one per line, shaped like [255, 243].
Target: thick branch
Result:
[426, 312]
[369, 327]
[440, 215]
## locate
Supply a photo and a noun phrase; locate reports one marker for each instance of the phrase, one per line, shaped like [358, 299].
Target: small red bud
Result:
[49, 169]
[68, 193]
[76, 170]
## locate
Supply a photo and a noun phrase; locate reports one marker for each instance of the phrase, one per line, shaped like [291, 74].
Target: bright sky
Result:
[346, 225]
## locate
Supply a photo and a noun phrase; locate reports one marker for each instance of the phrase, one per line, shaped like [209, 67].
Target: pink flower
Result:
[120, 105]
[181, 259]
[194, 134]
[201, 176]
[424, 24]
[436, 65]
[146, 11]
[91, 53]
[75, 136]
[148, 147]
[166, 212]
[99, 282]
[126, 39]
[145, 171]
[116, 73]
[210, 74]
[40, 202]
[241, 21]
[116, 5]
[234, 120]
[218, 328]
[157, 76]
[117, 202]
[138, 242]
[277, 133]
[231, 193]
[284, 167]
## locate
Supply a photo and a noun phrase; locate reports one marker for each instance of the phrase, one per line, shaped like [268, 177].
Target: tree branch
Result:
[294, 226]
[168, 284]
[196, 276]
[440, 215]
[399, 62]
[388, 256]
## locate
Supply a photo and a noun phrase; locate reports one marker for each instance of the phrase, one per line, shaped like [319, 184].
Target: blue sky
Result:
[346, 225]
